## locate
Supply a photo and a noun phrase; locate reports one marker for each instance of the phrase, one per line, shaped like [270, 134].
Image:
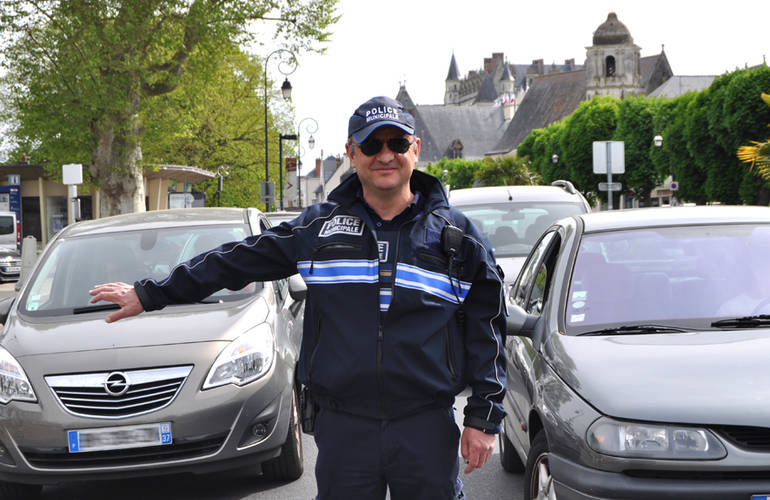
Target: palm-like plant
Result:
[758, 155]
[506, 171]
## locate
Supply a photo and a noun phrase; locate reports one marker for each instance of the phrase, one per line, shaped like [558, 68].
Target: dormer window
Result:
[609, 65]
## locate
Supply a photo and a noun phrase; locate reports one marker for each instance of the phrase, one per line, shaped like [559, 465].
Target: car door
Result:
[530, 291]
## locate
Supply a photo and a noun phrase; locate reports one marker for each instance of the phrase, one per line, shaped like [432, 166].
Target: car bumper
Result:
[577, 482]
[212, 430]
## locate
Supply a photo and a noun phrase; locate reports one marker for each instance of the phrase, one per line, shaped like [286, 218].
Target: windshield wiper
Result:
[95, 308]
[745, 321]
[636, 330]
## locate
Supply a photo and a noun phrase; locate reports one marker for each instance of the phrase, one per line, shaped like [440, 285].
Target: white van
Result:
[10, 238]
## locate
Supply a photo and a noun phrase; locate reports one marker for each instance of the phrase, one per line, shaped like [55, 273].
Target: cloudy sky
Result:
[376, 46]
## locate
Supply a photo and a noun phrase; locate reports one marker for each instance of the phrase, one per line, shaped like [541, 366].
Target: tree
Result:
[212, 119]
[508, 170]
[593, 120]
[80, 73]
[758, 155]
[634, 128]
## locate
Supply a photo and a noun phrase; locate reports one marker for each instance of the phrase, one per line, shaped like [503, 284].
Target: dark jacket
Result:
[419, 354]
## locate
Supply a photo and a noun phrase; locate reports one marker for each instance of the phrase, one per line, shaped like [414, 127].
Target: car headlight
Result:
[643, 440]
[14, 383]
[246, 359]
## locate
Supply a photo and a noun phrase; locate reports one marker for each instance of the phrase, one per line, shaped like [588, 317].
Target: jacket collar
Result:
[428, 186]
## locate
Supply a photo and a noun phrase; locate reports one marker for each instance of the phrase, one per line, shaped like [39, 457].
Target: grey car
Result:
[191, 388]
[637, 344]
[513, 217]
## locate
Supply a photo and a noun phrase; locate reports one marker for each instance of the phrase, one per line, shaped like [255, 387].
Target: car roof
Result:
[503, 194]
[673, 216]
[158, 219]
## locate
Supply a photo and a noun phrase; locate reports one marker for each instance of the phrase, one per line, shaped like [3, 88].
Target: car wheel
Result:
[538, 482]
[16, 491]
[288, 465]
[508, 456]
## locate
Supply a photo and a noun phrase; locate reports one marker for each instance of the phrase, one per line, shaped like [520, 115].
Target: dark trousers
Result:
[415, 456]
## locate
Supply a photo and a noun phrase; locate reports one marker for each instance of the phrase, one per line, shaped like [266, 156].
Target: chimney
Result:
[538, 66]
[318, 167]
[570, 63]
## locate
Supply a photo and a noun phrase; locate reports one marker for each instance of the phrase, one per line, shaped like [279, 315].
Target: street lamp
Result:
[222, 171]
[657, 140]
[281, 138]
[311, 128]
[555, 158]
[291, 60]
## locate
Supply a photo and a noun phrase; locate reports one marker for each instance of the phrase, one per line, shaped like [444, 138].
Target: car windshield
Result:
[513, 228]
[675, 276]
[74, 265]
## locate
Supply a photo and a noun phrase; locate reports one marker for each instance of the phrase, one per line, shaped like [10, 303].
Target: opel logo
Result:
[116, 384]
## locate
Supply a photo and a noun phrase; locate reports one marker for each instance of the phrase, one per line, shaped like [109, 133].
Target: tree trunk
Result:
[117, 165]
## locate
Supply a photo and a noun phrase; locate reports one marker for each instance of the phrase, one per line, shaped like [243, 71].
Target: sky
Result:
[377, 46]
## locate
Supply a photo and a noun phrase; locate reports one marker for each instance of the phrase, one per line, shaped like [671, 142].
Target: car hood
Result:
[511, 267]
[173, 325]
[710, 377]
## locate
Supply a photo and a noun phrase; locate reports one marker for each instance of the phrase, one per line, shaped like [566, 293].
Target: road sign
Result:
[610, 186]
[617, 157]
[267, 191]
[674, 186]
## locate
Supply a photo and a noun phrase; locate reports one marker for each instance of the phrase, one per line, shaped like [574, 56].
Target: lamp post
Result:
[281, 138]
[311, 128]
[555, 158]
[290, 59]
[222, 171]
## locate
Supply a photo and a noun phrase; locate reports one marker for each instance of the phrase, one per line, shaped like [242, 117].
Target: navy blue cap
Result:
[375, 113]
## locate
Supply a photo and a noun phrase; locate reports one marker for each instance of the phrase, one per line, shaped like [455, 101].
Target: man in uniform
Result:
[404, 310]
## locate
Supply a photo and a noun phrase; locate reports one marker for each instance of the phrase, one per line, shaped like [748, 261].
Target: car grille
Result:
[747, 438]
[61, 458]
[118, 394]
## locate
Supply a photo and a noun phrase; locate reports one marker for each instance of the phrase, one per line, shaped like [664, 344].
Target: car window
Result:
[6, 225]
[531, 272]
[74, 265]
[670, 275]
[513, 228]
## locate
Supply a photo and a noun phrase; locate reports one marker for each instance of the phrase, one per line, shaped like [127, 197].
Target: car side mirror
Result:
[520, 322]
[297, 287]
[5, 308]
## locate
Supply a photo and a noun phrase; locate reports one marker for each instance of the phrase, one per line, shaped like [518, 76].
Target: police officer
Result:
[404, 310]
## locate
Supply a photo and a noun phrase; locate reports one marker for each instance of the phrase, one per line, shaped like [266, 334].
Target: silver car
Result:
[637, 347]
[190, 388]
[513, 217]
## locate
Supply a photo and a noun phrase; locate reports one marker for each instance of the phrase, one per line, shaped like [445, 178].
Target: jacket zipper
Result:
[450, 353]
[330, 246]
[315, 350]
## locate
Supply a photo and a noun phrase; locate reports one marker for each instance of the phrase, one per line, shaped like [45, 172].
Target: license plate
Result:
[760, 497]
[14, 269]
[118, 438]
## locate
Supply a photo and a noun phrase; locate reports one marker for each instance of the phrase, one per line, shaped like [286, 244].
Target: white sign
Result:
[610, 186]
[72, 173]
[617, 157]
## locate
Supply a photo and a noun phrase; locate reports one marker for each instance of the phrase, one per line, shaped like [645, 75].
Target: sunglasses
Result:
[372, 146]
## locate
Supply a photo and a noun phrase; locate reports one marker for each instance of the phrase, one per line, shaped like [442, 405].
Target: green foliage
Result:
[460, 172]
[506, 171]
[701, 133]
[593, 120]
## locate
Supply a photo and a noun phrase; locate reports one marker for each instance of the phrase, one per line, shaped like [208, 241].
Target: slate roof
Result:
[550, 98]
[453, 73]
[679, 85]
[478, 128]
[487, 92]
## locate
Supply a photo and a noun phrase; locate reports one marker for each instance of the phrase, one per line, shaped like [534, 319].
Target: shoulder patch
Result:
[342, 224]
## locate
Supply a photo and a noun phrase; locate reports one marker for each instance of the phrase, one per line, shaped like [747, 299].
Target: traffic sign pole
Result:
[609, 175]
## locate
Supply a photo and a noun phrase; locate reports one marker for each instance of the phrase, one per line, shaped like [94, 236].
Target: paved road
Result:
[489, 483]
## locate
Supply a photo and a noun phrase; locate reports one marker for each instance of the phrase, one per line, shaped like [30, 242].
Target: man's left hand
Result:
[476, 447]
